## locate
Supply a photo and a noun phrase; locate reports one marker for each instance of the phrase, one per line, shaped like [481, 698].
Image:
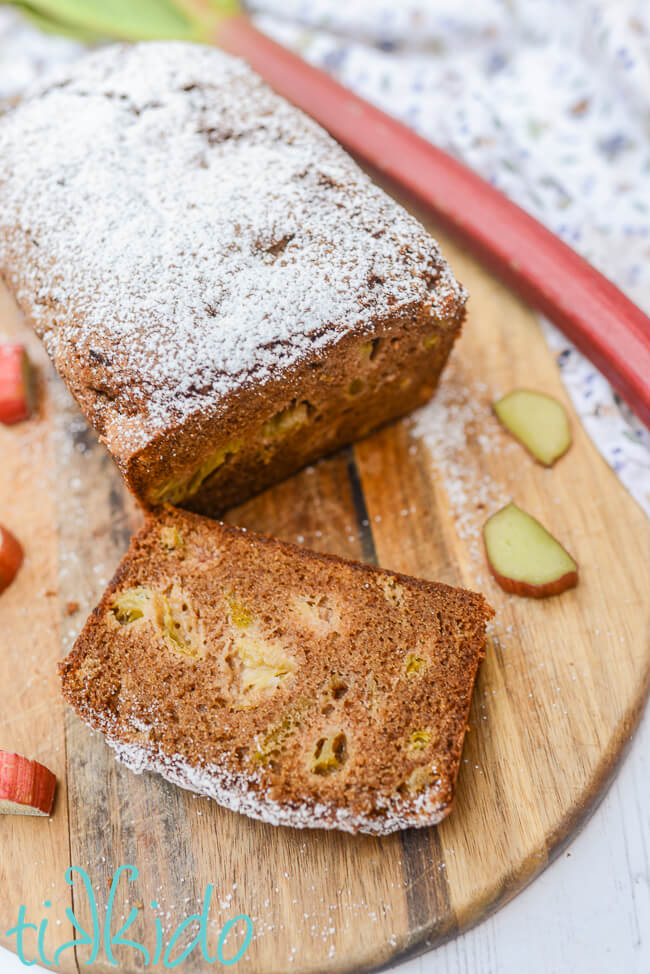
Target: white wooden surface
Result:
[589, 913]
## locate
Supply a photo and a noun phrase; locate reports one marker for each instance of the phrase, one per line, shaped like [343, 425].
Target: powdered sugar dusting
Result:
[246, 794]
[177, 231]
[240, 794]
[460, 414]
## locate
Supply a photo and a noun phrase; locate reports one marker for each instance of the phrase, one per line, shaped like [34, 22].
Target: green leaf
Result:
[55, 27]
[128, 20]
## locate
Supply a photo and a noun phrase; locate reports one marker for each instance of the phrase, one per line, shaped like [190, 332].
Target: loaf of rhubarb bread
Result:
[297, 688]
[225, 292]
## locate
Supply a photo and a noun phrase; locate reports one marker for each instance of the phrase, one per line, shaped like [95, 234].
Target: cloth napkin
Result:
[548, 100]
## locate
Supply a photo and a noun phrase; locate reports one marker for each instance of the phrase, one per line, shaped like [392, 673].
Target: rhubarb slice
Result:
[538, 421]
[26, 787]
[11, 557]
[16, 383]
[524, 558]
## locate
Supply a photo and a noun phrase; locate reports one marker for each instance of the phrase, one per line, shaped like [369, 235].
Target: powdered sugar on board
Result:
[459, 415]
[177, 231]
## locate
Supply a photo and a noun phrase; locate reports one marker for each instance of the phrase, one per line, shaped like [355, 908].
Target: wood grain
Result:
[557, 699]
[31, 712]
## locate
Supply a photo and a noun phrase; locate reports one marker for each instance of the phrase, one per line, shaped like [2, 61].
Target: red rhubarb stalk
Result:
[11, 557]
[26, 787]
[605, 325]
[16, 383]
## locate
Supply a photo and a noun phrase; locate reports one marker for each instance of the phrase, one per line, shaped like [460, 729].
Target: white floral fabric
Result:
[548, 100]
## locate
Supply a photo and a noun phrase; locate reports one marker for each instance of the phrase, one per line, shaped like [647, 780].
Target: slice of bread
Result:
[294, 687]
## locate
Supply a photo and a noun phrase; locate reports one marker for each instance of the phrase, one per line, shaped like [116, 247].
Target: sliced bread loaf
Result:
[294, 687]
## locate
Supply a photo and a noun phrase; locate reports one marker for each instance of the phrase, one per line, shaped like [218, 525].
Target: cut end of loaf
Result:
[297, 688]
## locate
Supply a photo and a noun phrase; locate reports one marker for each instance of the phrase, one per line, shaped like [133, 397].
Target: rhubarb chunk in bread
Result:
[225, 292]
[294, 687]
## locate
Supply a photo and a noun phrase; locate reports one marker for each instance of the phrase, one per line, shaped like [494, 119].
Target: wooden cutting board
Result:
[557, 699]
